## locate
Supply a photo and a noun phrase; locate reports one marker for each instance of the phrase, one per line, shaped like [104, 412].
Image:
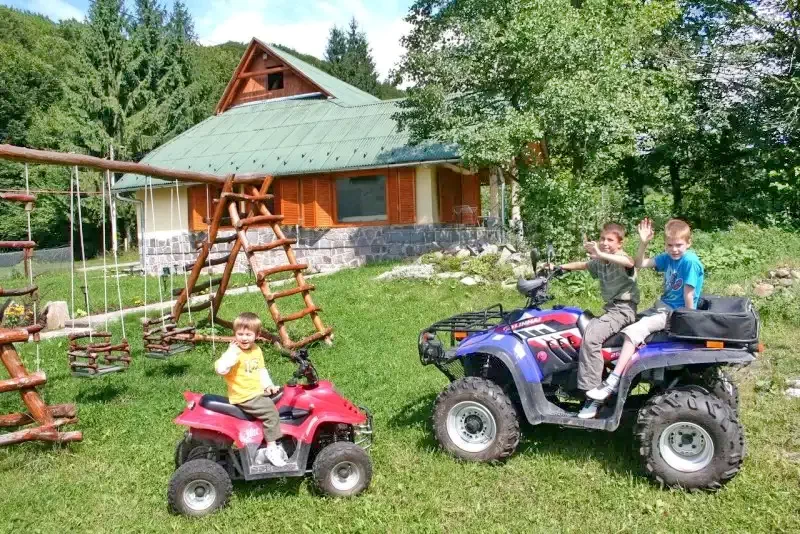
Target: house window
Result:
[275, 81]
[361, 199]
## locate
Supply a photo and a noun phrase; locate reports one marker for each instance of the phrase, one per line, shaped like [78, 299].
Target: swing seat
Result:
[86, 372]
[97, 359]
[173, 349]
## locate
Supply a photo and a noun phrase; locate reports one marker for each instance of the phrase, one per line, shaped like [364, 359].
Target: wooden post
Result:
[36, 406]
[112, 204]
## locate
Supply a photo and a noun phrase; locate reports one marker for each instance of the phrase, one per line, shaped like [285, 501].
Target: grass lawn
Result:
[559, 480]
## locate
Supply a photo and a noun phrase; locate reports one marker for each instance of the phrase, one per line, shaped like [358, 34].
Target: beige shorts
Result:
[654, 319]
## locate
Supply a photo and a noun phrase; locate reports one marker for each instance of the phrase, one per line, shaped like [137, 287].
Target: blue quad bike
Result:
[504, 365]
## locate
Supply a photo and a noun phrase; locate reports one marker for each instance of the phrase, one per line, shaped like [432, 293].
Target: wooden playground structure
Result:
[242, 202]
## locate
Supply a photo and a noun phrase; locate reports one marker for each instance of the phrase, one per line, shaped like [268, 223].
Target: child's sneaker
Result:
[275, 454]
[589, 410]
[602, 392]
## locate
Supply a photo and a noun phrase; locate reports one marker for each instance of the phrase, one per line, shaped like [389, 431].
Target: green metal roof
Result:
[336, 87]
[292, 136]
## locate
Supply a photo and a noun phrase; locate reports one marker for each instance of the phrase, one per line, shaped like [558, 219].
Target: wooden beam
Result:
[257, 73]
[29, 155]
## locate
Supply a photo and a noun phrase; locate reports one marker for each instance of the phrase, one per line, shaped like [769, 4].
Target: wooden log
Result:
[202, 286]
[18, 244]
[83, 335]
[246, 198]
[198, 307]
[13, 384]
[258, 219]
[290, 292]
[30, 397]
[271, 245]
[18, 197]
[211, 262]
[16, 335]
[264, 72]
[15, 153]
[42, 433]
[280, 269]
[5, 292]
[298, 315]
[20, 419]
[310, 339]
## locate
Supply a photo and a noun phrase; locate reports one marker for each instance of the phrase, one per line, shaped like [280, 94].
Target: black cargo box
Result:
[729, 319]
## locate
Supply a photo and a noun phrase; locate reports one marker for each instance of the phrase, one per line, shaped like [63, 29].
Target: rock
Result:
[423, 271]
[509, 285]
[463, 253]
[783, 272]
[523, 271]
[452, 250]
[793, 392]
[735, 290]
[57, 314]
[793, 383]
[772, 274]
[763, 290]
[458, 274]
[517, 258]
[438, 255]
[471, 280]
[489, 249]
[785, 282]
[511, 248]
[505, 255]
[796, 274]
[474, 250]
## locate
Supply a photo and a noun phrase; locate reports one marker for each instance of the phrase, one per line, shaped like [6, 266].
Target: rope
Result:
[183, 254]
[210, 278]
[144, 246]
[153, 214]
[116, 265]
[83, 250]
[30, 268]
[171, 255]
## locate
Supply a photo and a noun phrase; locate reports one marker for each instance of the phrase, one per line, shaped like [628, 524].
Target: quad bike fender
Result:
[686, 357]
[513, 354]
[195, 417]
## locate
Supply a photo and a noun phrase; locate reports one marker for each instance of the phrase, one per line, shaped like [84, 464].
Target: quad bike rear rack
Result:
[470, 322]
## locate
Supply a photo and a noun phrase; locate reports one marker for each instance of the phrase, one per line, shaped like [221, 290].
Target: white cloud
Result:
[239, 20]
[55, 9]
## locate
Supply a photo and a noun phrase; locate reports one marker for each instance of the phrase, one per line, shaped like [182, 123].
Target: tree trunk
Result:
[677, 194]
[494, 204]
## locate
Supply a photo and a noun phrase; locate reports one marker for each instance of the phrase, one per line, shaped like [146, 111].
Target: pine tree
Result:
[178, 90]
[350, 58]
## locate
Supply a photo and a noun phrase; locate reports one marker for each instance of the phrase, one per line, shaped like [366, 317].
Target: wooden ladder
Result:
[258, 213]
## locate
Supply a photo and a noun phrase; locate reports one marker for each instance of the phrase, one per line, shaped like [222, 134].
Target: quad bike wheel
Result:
[342, 469]
[473, 419]
[198, 488]
[720, 384]
[689, 439]
[190, 449]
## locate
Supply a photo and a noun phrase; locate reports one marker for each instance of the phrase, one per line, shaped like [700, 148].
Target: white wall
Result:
[427, 195]
[171, 216]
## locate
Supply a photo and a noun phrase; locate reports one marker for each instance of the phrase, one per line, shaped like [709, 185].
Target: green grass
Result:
[559, 480]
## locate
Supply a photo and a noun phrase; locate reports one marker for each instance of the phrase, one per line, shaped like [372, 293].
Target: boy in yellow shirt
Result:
[249, 387]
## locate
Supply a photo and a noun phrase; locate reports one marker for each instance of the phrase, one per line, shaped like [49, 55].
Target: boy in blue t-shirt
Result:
[683, 283]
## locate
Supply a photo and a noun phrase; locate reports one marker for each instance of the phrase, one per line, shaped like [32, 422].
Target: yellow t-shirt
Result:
[244, 378]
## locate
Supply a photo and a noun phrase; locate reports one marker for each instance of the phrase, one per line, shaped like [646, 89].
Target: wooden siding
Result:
[401, 196]
[255, 88]
[457, 193]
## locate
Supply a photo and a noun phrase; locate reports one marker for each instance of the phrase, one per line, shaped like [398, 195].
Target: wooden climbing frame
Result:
[229, 204]
[83, 359]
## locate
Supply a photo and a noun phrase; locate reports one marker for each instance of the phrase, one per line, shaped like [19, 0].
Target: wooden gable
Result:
[263, 74]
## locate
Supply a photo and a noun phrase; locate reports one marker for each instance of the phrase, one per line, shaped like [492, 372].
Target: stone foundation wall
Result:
[323, 249]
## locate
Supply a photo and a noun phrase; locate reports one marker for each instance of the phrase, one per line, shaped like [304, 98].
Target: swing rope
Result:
[144, 247]
[183, 254]
[153, 214]
[83, 250]
[30, 266]
[210, 277]
[116, 263]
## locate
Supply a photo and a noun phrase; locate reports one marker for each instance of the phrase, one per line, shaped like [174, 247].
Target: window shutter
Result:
[449, 194]
[309, 212]
[324, 200]
[197, 207]
[392, 197]
[407, 204]
[289, 200]
[471, 196]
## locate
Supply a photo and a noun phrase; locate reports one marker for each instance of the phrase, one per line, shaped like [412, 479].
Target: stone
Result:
[509, 247]
[783, 272]
[489, 249]
[457, 274]
[772, 274]
[438, 255]
[517, 258]
[57, 314]
[509, 285]
[796, 274]
[785, 282]
[463, 253]
[505, 256]
[793, 392]
[763, 290]
[523, 271]
[735, 290]
[423, 271]
[474, 250]
[471, 280]
[793, 383]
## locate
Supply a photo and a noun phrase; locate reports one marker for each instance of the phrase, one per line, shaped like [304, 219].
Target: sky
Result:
[300, 24]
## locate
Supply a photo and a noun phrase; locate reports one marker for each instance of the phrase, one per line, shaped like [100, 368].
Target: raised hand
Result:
[591, 249]
[646, 233]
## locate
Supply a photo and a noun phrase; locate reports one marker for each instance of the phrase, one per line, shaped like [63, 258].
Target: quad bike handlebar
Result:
[305, 369]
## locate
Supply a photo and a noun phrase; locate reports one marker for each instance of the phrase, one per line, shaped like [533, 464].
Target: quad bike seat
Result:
[526, 287]
[220, 404]
[617, 339]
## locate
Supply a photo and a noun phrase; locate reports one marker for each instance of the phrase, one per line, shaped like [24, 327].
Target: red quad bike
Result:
[324, 435]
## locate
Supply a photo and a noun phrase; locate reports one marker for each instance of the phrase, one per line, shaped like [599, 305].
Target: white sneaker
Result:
[589, 410]
[275, 454]
[602, 392]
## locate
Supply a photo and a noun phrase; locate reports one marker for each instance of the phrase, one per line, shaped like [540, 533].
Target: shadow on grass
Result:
[277, 487]
[168, 370]
[106, 393]
[616, 450]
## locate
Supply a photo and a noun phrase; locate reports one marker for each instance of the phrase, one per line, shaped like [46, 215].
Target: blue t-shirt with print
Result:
[688, 270]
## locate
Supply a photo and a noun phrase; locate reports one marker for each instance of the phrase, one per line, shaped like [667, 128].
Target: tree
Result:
[350, 58]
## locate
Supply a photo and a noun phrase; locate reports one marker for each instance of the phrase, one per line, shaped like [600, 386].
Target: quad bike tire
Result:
[718, 383]
[342, 469]
[190, 449]
[198, 488]
[689, 439]
[474, 420]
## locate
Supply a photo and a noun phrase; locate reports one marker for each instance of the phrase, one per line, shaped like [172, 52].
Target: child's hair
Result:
[678, 229]
[614, 228]
[247, 321]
